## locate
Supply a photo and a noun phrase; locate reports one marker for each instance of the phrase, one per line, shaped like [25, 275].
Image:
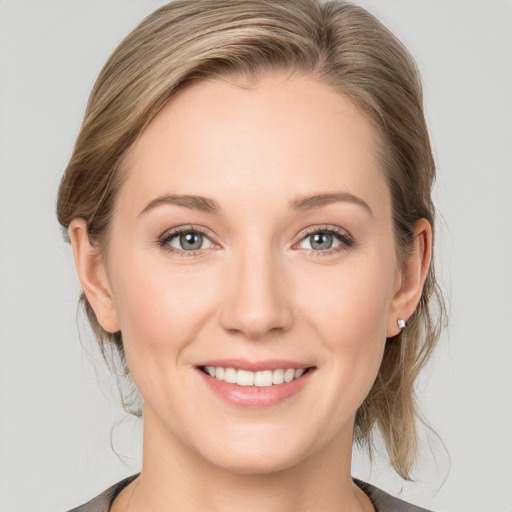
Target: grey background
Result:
[55, 420]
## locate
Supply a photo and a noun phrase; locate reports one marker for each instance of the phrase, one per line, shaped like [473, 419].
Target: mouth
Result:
[259, 379]
[251, 384]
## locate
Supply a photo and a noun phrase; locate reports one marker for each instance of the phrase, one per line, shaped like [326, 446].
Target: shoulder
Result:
[103, 501]
[384, 502]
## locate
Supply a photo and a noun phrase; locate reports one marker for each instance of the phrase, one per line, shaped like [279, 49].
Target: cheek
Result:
[349, 313]
[161, 309]
[353, 298]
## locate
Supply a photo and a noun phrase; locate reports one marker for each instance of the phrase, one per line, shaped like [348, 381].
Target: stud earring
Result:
[401, 324]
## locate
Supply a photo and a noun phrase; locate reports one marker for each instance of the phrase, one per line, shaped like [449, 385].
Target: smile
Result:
[262, 379]
[255, 384]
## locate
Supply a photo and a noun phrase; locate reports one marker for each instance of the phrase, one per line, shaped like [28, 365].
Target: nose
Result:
[256, 301]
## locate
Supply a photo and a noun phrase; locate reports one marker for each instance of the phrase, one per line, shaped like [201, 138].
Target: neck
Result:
[176, 478]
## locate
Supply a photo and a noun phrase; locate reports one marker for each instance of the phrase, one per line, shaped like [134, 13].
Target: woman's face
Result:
[284, 260]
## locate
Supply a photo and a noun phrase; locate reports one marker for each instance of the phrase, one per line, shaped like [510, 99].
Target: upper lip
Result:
[254, 366]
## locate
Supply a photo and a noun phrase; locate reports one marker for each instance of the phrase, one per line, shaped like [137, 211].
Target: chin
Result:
[255, 464]
[261, 455]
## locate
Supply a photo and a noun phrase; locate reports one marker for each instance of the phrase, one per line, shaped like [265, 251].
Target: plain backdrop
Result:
[56, 421]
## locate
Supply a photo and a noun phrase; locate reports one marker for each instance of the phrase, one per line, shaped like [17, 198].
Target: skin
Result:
[257, 289]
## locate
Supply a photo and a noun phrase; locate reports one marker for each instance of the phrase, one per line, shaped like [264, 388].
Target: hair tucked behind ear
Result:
[336, 43]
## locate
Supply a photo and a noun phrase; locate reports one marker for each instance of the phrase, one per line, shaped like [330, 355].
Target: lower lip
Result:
[254, 396]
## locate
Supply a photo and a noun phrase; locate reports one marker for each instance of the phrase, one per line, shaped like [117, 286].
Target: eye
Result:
[185, 240]
[326, 240]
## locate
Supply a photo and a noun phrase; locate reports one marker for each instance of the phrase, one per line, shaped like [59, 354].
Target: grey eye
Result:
[189, 241]
[321, 241]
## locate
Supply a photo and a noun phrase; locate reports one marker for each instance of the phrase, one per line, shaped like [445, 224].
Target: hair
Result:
[333, 42]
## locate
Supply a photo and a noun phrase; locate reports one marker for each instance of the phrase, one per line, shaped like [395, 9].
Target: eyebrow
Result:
[301, 204]
[315, 201]
[204, 204]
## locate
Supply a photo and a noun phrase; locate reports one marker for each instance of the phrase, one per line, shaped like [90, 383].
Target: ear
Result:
[411, 277]
[93, 277]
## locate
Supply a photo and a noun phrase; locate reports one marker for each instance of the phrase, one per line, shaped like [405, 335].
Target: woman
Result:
[249, 208]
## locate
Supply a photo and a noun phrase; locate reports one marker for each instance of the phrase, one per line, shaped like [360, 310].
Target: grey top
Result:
[382, 501]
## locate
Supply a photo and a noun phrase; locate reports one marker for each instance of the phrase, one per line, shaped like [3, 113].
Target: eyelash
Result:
[169, 235]
[346, 241]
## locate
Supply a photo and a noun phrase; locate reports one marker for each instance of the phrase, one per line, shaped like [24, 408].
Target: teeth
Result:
[229, 375]
[277, 376]
[263, 379]
[289, 374]
[244, 378]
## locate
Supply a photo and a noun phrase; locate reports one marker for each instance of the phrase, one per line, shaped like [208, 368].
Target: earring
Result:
[402, 324]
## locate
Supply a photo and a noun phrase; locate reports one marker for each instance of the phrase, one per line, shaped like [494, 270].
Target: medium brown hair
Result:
[333, 42]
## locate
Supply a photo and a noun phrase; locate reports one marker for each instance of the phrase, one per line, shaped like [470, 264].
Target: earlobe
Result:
[93, 277]
[412, 278]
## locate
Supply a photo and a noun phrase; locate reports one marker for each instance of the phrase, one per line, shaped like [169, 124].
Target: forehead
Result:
[277, 138]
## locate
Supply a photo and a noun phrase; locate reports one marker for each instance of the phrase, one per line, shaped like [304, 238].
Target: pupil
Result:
[322, 241]
[189, 238]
